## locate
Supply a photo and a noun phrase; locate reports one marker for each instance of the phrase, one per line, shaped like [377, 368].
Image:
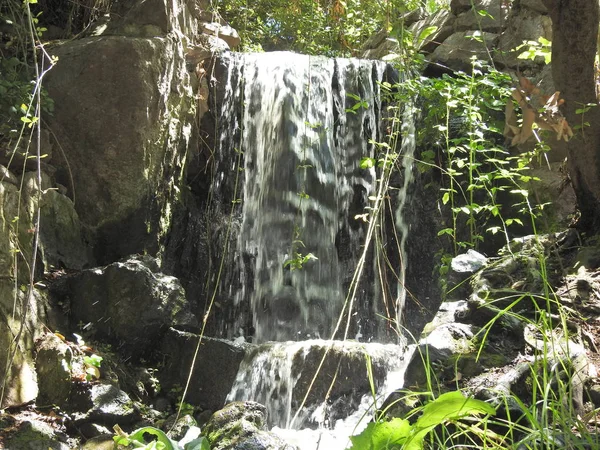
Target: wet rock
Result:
[217, 364]
[111, 405]
[303, 378]
[102, 403]
[453, 350]
[448, 312]
[241, 426]
[130, 303]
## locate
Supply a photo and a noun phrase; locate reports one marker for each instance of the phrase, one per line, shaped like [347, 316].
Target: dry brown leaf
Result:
[527, 96]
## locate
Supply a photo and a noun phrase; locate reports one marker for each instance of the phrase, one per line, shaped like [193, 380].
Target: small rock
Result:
[224, 32]
[112, 405]
[179, 429]
[469, 262]
[53, 363]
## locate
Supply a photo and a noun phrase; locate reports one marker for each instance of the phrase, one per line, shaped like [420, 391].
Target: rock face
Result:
[130, 303]
[121, 181]
[293, 379]
[217, 364]
[488, 29]
[22, 312]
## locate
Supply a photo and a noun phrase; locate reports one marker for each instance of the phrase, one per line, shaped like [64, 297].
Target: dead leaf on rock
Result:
[537, 109]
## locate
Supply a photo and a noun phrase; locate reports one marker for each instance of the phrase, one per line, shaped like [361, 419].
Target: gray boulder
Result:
[307, 369]
[53, 364]
[458, 49]
[122, 182]
[129, 303]
[217, 364]
[31, 434]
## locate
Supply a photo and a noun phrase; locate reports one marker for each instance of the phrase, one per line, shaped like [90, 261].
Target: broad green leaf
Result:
[447, 407]
[446, 197]
[427, 32]
[382, 435]
[449, 231]
[162, 440]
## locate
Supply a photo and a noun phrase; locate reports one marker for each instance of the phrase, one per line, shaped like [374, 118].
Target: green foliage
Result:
[400, 433]
[325, 27]
[150, 438]
[299, 260]
[17, 79]
[462, 136]
[542, 48]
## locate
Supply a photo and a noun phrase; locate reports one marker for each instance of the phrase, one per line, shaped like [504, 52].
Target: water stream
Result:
[300, 126]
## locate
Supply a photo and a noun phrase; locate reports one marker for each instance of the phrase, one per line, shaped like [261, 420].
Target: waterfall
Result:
[291, 134]
[302, 124]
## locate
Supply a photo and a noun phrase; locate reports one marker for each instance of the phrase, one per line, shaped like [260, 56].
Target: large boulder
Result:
[458, 49]
[61, 239]
[125, 168]
[215, 369]
[304, 372]
[129, 303]
[53, 362]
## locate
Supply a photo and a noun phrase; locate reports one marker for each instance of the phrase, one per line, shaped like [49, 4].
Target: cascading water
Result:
[304, 125]
[300, 126]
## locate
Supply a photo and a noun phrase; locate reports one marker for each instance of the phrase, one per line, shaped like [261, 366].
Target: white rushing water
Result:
[302, 125]
[305, 123]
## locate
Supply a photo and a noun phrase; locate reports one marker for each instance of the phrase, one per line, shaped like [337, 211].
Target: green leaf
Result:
[200, 443]
[382, 435]
[93, 360]
[367, 163]
[450, 406]
[448, 231]
[162, 441]
[427, 32]
[446, 197]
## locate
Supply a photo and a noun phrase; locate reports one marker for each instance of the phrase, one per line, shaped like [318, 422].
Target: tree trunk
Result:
[574, 46]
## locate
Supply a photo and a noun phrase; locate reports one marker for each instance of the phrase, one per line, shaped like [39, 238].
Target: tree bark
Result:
[574, 46]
